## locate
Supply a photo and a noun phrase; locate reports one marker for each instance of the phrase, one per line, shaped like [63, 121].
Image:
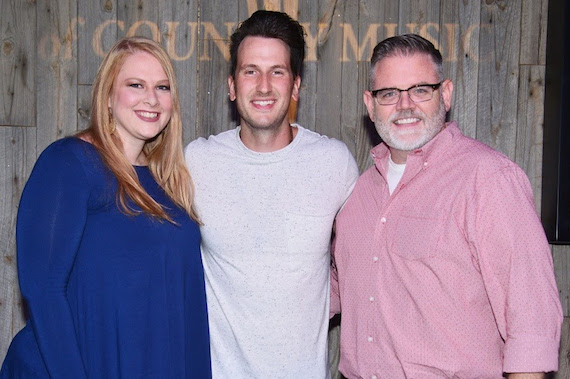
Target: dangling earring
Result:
[112, 126]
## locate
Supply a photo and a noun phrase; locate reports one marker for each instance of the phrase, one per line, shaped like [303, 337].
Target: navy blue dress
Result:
[109, 295]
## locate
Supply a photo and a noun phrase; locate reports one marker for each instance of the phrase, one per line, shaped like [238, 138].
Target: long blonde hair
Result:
[164, 153]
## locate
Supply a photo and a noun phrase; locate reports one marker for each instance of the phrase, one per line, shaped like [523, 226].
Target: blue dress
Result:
[109, 295]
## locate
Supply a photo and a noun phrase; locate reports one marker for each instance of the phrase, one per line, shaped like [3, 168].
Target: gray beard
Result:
[433, 125]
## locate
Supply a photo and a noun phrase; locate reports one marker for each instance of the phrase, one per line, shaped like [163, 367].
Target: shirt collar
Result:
[437, 147]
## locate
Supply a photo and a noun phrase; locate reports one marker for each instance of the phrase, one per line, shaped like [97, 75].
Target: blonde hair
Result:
[164, 153]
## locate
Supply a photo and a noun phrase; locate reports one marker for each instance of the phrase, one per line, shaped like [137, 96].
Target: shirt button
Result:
[374, 377]
[371, 298]
[375, 259]
[425, 164]
[370, 339]
[383, 220]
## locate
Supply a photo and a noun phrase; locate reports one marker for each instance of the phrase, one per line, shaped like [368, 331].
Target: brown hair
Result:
[271, 24]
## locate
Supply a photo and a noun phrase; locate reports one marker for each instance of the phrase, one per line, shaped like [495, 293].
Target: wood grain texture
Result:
[561, 259]
[533, 32]
[179, 32]
[218, 20]
[56, 97]
[459, 44]
[493, 50]
[17, 156]
[98, 29]
[303, 111]
[499, 46]
[528, 147]
[384, 19]
[564, 357]
[17, 62]
[329, 69]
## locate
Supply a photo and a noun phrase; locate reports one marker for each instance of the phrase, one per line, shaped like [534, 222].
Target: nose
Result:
[264, 83]
[151, 97]
[405, 102]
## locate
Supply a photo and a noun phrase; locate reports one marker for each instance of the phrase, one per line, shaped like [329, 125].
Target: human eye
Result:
[135, 85]
[387, 94]
[278, 72]
[164, 87]
[422, 90]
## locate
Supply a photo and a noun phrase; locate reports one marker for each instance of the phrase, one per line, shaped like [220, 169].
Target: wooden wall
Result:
[494, 51]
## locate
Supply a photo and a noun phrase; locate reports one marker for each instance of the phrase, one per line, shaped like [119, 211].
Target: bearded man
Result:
[441, 266]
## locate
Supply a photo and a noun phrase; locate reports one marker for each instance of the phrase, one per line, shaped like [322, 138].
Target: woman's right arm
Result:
[51, 218]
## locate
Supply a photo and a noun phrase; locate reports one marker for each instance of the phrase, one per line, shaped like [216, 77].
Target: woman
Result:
[108, 242]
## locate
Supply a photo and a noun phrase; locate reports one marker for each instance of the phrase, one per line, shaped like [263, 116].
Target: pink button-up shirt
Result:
[451, 275]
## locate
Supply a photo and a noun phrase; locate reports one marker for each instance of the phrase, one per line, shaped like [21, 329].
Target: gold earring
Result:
[112, 126]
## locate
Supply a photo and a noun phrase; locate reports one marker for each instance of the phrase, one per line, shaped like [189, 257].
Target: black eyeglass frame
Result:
[435, 87]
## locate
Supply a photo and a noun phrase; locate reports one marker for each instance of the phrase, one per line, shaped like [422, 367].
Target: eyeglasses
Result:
[418, 93]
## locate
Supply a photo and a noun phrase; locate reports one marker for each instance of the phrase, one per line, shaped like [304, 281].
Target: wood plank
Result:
[310, 16]
[17, 156]
[528, 148]
[140, 18]
[218, 19]
[178, 21]
[561, 258]
[354, 81]
[544, 26]
[98, 31]
[366, 134]
[334, 347]
[459, 46]
[499, 52]
[57, 95]
[420, 17]
[17, 62]
[83, 106]
[328, 87]
[374, 23]
[533, 31]
[564, 356]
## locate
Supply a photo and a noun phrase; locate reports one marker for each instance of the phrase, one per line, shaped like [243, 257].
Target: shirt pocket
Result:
[416, 233]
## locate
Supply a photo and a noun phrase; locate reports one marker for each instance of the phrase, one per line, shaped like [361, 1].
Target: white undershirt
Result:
[395, 172]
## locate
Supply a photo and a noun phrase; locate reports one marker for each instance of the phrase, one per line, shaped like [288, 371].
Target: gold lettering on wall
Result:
[291, 7]
[207, 37]
[472, 52]
[350, 40]
[171, 39]
[49, 46]
[423, 31]
[134, 29]
[450, 52]
[312, 41]
[210, 33]
[97, 41]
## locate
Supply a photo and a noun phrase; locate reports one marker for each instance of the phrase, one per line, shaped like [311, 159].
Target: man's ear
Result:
[447, 93]
[369, 102]
[296, 87]
[232, 88]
